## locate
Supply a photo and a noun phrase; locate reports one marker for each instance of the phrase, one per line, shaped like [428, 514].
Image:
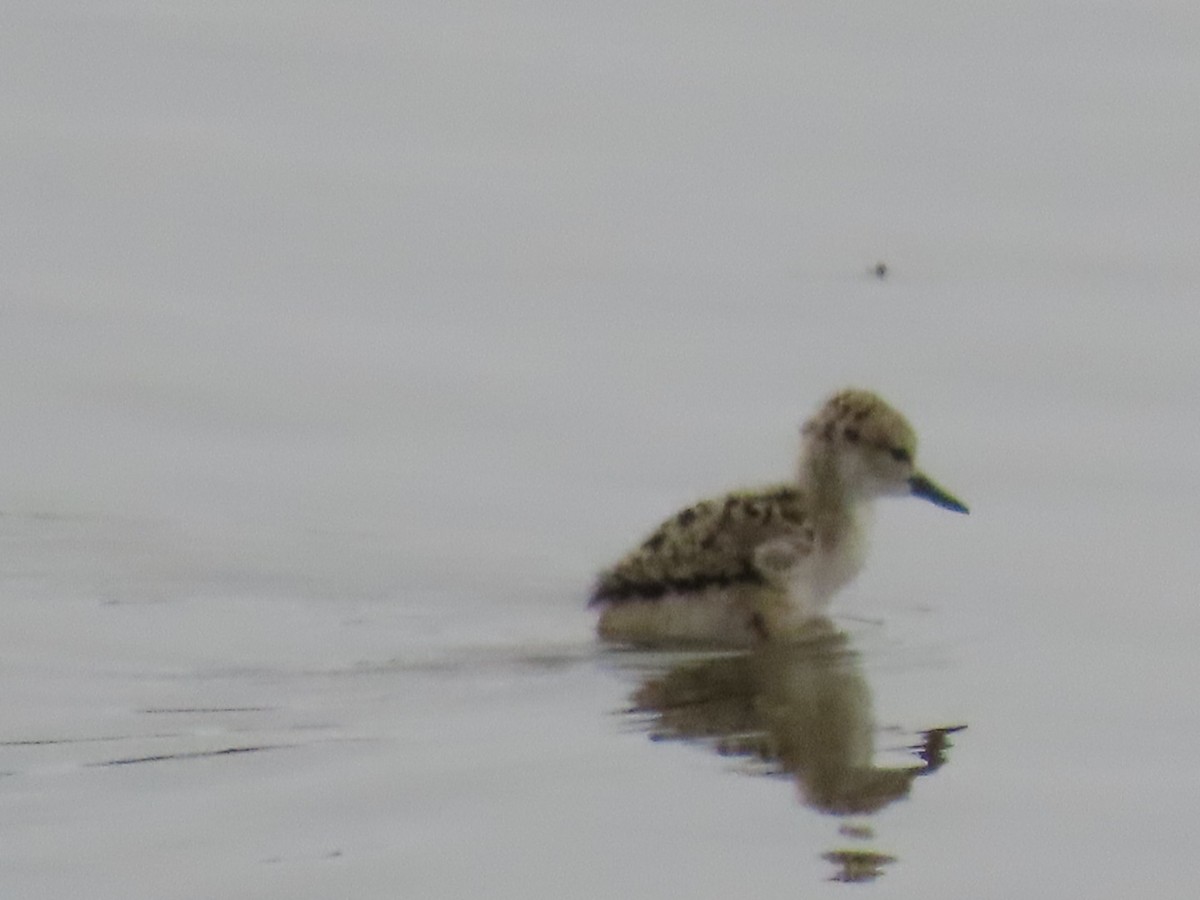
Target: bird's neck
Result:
[831, 505]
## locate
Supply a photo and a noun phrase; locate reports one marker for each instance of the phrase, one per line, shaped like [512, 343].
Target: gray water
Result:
[341, 345]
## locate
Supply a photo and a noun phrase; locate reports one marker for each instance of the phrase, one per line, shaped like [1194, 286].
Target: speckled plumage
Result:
[710, 544]
[753, 565]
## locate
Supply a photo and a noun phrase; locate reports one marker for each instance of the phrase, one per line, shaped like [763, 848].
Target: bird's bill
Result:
[925, 489]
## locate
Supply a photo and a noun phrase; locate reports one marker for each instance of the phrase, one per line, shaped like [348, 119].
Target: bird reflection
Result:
[802, 711]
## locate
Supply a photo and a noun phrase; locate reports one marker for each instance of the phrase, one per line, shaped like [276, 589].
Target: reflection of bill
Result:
[802, 710]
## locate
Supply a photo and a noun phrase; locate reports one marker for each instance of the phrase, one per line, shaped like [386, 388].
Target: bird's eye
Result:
[852, 435]
[899, 454]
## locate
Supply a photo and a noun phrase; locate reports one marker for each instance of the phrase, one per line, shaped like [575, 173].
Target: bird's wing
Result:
[710, 544]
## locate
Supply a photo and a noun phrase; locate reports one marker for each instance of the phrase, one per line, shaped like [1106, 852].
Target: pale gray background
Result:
[340, 343]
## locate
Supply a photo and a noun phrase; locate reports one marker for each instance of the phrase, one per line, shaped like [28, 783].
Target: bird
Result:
[756, 565]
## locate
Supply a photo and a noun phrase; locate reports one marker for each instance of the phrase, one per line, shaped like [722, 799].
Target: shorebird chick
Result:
[757, 565]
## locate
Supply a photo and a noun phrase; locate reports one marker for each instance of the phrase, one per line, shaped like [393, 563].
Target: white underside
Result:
[741, 617]
[721, 615]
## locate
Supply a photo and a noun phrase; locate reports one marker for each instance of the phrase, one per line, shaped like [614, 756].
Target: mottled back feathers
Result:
[710, 544]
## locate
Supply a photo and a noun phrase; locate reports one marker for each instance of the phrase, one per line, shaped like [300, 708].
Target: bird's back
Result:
[708, 545]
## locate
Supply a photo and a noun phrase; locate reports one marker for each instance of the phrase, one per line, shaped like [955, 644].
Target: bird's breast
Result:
[838, 561]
